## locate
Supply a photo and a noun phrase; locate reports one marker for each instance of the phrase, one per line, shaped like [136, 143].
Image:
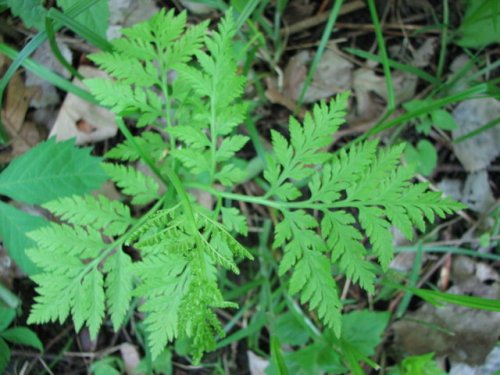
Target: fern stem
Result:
[163, 74]
[121, 240]
[280, 205]
[213, 137]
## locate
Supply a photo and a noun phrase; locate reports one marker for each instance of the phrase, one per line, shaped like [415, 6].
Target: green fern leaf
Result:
[165, 280]
[234, 221]
[143, 189]
[85, 243]
[55, 297]
[119, 286]
[152, 143]
[344, 242]
[98, 213]
[370, 182]
[312, 277]
[89, 303]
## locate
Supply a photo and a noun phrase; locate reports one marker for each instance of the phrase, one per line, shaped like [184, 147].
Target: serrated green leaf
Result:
[56, 295]
[379, 232]
[312, 277]
[32, 12]
[72, 240]
[364, 330]
[118, 286]
[94, 18]
[152, 143]
[99, 213]
[233, 220]
[142, 188]
[51, 170]
[14, 224]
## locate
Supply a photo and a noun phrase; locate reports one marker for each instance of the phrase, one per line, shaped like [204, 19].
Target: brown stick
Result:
[321, 18]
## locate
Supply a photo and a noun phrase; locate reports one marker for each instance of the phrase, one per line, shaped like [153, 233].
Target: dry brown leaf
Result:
[23, 135]
[82, 120]
[462, 334]
[333, 75]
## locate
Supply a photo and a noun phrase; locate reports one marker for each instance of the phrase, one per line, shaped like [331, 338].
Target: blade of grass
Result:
[255, 326]
[246, 13]
[436, 104]
[321, 48]
[277, 356]
[391, 100]
[51, 35]
[438, 298]
[412, 281]
[479, 130]
[451, 250]
[396, 65]
[48, 75]
[444, 40]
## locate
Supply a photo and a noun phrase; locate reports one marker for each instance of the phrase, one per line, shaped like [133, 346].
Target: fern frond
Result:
[344, 242]
[55, 297]
[76, 240]
[216, 79]
[165, 280]
[152, 143]
[312, 278]
[143, 189]
[119, 285]
[234, 221]
[88, 307]
[370, 182]
[97, 212]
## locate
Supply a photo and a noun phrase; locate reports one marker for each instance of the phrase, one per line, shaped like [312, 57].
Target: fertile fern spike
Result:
[360, 192]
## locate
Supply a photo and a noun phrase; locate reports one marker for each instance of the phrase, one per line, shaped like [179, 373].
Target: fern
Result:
[334, 210]
[142, 188]
[371, 183]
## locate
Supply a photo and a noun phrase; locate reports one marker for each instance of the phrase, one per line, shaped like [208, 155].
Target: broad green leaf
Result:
[31, 12]
[364, 330]
[424, 157]
[51, 170]
[443, 120]
[22, 336]
[289, 330]
[14, 226]
[7, 315]
[4, 355]
[94, 18]
[107, 366]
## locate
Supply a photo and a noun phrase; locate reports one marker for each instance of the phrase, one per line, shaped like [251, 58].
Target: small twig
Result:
[47, 368]
[321, 18]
